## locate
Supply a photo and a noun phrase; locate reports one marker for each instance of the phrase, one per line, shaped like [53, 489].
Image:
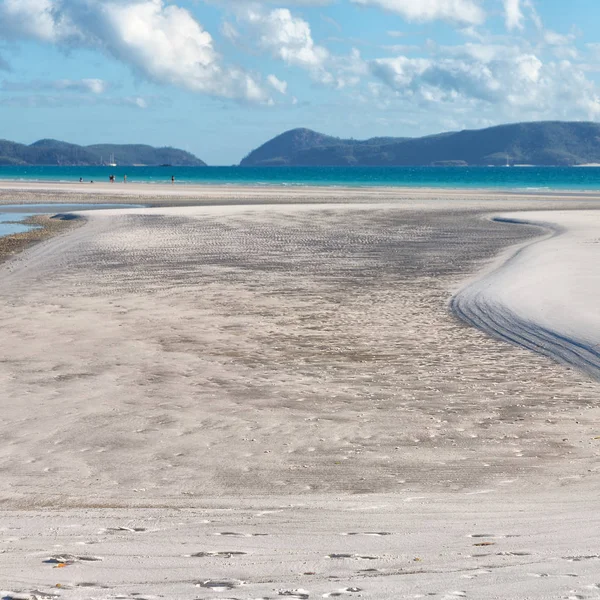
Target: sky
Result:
[220, 77]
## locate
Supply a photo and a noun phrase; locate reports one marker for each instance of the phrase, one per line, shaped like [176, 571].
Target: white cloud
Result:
[533, 14]
[557, 39]
[481, 52]
[137, 101]
[165, 43]
[396, 34]
[277, 84]
[93, 86]
[96, 86]
[514, 14]
[229, 31]
[349, 70]
[55, 101]
[288, 38]
[502, 83]
[284, 36]
[467, 12]
[160, 41]
[36, 19]
[438, 80]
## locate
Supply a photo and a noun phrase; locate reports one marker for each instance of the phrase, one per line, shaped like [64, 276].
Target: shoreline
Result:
[46, 227]
[202, 191]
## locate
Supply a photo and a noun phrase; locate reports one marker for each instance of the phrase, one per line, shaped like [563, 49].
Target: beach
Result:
[259, 393]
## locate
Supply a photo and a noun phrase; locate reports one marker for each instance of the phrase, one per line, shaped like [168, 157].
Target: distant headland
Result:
[544, 143]
[548, 143]
[57, 153]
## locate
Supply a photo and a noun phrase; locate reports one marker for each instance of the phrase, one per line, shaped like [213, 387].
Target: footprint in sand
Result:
[69, 559]
[491, 536]
[355, 556]
[219, 585]
[225, 554]
[236, 534]
[134, 596]
[34, 595]
[557, 575]
[370, 571]
[476, 574]
[295, 594]
[375, 533]
[342, 592]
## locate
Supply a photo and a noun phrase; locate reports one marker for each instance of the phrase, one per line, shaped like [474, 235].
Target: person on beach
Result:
[124, 178]
[172, 178]
[81, 180]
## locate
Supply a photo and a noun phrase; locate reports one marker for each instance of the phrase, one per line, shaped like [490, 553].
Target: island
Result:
[56, 153]
[548, 143]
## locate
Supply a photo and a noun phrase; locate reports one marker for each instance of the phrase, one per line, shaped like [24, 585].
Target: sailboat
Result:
[111, 161]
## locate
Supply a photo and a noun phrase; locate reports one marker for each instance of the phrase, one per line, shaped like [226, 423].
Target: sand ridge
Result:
[543, 297]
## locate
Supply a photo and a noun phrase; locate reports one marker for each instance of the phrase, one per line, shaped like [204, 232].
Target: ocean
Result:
[518, 178]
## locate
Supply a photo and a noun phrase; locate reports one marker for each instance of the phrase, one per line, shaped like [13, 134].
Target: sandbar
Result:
[269, 396]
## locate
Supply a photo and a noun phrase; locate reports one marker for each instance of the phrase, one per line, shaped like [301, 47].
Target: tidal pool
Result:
[13, 215]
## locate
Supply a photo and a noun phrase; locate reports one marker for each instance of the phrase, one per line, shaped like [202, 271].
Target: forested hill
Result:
[550, 143]
[54, 152]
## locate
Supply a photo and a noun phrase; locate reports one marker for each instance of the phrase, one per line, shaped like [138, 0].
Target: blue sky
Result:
[220, 77]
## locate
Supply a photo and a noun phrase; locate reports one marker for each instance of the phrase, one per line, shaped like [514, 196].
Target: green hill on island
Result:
[550, 143]
[54, 152]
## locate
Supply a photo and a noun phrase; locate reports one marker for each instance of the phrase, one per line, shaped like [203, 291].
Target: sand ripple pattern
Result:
[165, 355]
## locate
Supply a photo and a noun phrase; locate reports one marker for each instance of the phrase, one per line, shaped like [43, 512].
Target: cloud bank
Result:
[504, 76]
[467, 12]
[159, 41]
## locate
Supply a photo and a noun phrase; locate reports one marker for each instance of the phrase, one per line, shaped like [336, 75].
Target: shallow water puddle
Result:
[12, 216]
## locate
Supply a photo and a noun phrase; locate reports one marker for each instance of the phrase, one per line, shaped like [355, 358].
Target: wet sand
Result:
[269, 380]
[45, 228]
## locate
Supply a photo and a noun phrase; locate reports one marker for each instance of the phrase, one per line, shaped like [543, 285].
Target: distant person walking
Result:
[172, 178]
[124, 178]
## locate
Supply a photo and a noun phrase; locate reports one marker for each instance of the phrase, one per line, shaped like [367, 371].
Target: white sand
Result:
[545, 297]
[269, 379]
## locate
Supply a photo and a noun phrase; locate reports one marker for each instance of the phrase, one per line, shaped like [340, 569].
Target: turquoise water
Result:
[442, 177]
[11, 216]
[9, 223]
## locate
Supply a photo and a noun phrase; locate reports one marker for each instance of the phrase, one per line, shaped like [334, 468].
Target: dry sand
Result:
[545, 297]
[258, 400]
